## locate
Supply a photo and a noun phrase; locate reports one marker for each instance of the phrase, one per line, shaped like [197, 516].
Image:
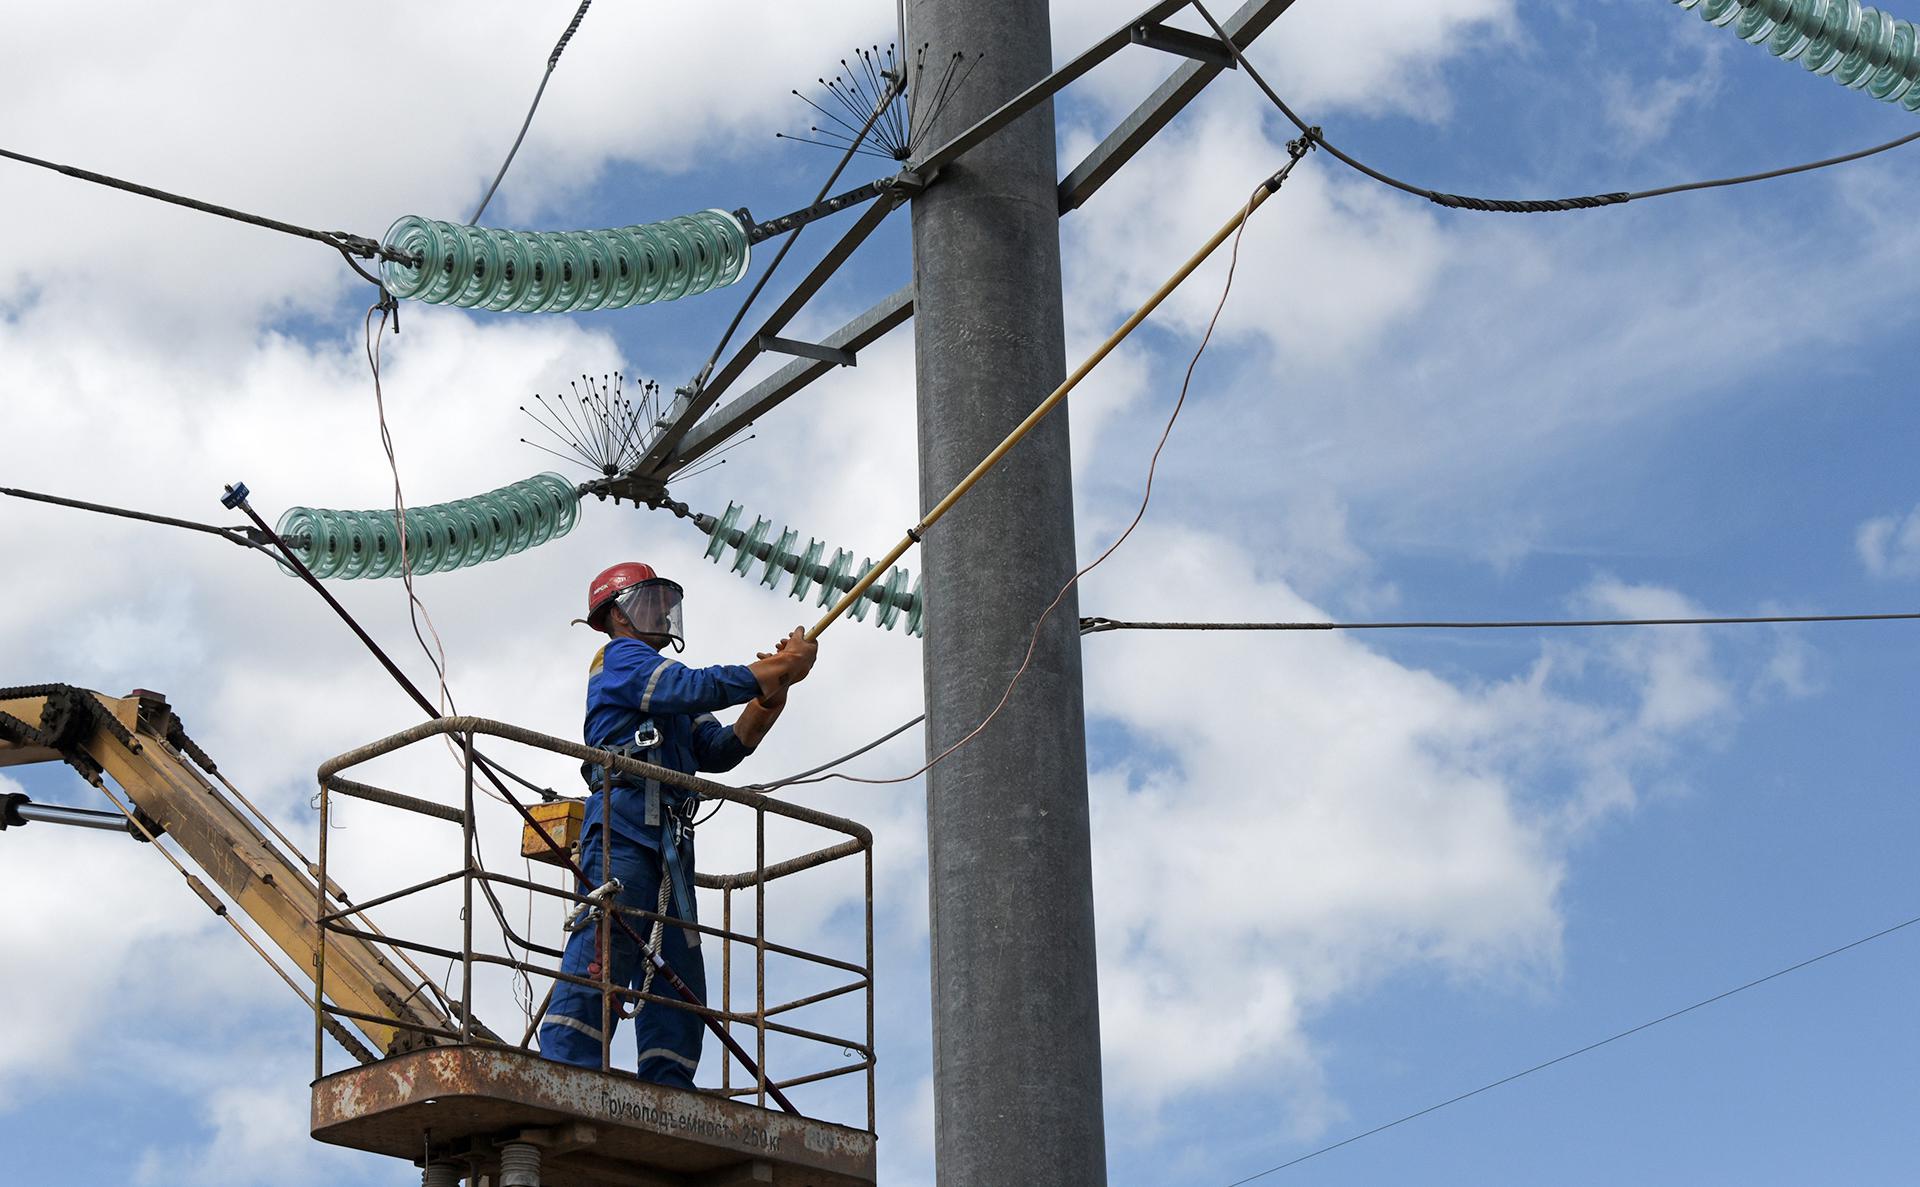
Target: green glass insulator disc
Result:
[803, 574]
[896, 592]
[750, 547]
[917, 609]
[722, 533]
[838, 579]
[778, 560]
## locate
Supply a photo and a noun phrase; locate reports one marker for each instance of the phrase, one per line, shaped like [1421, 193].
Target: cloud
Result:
[1889, 545]
[1340, 814]
[1328, 57]
[1291, 818]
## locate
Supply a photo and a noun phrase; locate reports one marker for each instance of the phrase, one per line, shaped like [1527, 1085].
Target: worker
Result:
[641, 703]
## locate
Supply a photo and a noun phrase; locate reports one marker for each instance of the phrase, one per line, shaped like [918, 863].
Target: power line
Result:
[889, 736]
[345, 243]
[553, 60]
[1524, 205]
[1614, 1038]
[1096, 626]
[238, 536]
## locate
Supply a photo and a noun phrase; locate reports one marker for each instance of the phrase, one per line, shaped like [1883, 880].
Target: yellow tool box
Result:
[562, 819]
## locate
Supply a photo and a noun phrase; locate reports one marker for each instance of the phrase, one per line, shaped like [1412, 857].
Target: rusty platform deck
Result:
[595, 1127]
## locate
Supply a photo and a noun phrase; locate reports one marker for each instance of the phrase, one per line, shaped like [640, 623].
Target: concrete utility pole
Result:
[1016, 1025]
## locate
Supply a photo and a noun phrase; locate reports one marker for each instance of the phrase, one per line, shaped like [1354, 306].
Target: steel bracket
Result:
[1166, 38]
[806, 350]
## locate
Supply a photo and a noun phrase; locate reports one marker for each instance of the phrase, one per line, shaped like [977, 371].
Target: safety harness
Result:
[669, 820]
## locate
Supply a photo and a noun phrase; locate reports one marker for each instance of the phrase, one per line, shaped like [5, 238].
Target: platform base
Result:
[593, 1127]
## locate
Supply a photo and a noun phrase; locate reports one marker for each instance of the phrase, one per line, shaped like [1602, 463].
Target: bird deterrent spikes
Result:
[602, 428]
[897, 104]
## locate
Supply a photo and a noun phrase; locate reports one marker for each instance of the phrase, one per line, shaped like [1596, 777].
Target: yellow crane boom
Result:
[138, 742]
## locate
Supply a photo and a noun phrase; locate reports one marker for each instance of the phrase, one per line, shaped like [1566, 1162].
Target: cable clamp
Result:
[914, 534]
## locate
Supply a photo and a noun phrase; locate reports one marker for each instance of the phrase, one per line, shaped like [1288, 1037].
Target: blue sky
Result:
[1418, 862]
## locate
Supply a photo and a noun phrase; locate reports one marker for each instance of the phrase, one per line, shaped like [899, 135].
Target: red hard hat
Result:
[610, 584]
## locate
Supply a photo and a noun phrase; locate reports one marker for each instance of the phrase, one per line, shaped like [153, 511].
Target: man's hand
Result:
[788, 663]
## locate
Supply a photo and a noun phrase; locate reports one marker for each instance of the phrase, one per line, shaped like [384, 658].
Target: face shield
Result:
[652, 608]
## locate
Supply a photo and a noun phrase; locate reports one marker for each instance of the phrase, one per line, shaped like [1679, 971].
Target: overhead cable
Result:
[239, 536]
[1096, 626]
[1523, 205]
[341, 241]
[889, 736]
[553, 59]
[1613, 1038]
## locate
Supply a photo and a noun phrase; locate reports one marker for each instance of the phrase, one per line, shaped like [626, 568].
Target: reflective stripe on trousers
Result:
[666, 1040]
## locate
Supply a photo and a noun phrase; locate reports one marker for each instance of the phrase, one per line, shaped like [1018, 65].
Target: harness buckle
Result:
[647, 737]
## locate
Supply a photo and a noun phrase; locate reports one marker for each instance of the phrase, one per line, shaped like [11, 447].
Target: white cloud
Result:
[1296, 816]
[1357, 815]
[1889, 545]
[1325, 58]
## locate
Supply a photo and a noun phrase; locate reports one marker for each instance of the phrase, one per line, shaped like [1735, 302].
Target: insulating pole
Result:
[1016, 1030]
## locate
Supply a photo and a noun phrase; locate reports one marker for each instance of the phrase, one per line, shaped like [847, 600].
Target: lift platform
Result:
[464, 1102]
[592, 1127]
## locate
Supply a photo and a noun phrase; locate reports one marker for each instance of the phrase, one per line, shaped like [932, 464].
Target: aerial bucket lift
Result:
[429, 1082]
[474, 1105]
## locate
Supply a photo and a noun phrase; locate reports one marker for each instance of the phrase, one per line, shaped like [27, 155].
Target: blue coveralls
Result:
[630, 684]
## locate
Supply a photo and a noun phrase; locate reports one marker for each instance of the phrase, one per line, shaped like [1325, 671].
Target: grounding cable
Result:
[1234, 227]
[1523, 205]
[553, 60]
[1613, 1038]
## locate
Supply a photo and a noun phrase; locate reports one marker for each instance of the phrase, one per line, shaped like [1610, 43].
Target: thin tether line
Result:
[1614, 1038]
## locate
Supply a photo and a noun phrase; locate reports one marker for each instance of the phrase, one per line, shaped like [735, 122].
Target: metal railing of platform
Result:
[765, 1018]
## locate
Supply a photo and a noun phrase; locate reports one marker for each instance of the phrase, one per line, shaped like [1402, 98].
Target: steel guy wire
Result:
[553, 60]
[1613, 1038]
[1096, 626]
[1523, 205]
[1297, 150]
[238, 536]
[346, 244]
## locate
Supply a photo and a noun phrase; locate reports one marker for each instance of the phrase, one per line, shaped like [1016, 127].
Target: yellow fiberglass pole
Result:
[1266, 190]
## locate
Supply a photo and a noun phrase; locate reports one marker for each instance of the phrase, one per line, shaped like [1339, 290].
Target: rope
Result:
[657, 938]
[1522, 205]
